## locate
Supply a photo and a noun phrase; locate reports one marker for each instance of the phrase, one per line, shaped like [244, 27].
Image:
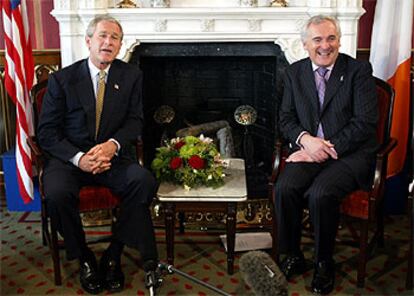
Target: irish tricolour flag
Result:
[391, 59]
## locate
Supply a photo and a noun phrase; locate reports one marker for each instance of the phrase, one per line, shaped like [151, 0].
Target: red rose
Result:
[196, 162]
[178, 145]
[175, 163]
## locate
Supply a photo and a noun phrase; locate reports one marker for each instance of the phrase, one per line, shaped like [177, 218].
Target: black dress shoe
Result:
[293, 264]
[112, 276]
[323, 278]
[89, 276]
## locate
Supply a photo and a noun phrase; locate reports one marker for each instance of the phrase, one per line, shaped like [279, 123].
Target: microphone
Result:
[153, 277]
[171, 269]
[262, 274]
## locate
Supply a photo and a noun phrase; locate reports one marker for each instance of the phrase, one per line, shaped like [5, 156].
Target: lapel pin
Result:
[342, 78]
[116, 86]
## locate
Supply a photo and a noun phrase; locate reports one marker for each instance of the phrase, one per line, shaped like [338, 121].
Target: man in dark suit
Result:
[91, 112]
[328, 114]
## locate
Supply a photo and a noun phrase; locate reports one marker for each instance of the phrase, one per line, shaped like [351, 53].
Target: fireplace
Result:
[206, 82]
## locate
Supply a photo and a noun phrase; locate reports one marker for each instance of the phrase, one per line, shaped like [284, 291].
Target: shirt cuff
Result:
[299, 137]
[118, 146]
[76, 158]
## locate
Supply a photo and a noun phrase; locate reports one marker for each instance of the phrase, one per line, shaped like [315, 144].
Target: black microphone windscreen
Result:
[262, 274]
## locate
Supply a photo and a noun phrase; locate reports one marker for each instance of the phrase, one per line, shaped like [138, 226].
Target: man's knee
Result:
[321, 195]
[284, 187]
[59, 193]
[59, 199]
[143, 183]
[142, 177]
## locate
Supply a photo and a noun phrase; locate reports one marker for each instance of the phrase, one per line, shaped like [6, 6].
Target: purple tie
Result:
[320, 80]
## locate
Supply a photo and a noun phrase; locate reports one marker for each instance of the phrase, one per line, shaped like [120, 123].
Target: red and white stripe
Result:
[19, 76]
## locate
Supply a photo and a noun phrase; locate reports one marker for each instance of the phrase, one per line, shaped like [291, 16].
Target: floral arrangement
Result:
[189, 161]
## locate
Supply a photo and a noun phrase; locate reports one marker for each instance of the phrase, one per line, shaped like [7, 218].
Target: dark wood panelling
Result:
[41, 57]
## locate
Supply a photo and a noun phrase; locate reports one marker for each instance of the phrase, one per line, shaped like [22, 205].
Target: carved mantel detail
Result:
[292, 47]
[189, 21]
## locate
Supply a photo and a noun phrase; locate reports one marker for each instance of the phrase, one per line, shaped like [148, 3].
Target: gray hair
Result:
[100, 18]
[316, 20]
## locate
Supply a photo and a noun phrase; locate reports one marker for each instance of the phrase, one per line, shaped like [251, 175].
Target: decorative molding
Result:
[255, 25]
[189, 21]
[130, 45]
[292, 47]
[207, 25]
[42, 72]
[160, 3]
[251, 213]
[160, 25]
[248, 3]
[65, 4]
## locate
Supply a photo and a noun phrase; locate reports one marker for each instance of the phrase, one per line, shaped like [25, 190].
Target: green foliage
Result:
[189, 161]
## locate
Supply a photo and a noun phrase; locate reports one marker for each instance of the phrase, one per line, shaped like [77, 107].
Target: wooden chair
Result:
[91, 198]
[363, 206]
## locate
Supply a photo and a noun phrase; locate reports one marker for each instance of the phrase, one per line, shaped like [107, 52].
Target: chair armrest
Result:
[37, 154]
[411, 189]
[278, 159]
[37, 158]
[31, 141]
[381, 169]
[386, 148]
[139, 150]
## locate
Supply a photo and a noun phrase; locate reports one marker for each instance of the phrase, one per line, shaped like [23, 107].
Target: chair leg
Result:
[44, 231]
[54, 249]
[363, 256]
[275, 250]
[409, 280]
[44, 219]
[114, 218]
[181, 220]
[380, 225]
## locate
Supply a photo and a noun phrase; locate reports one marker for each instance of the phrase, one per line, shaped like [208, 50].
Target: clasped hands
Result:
[98, 158]
[314, 150]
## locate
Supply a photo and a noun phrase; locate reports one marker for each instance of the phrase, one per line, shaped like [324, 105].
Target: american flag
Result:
[19, 74]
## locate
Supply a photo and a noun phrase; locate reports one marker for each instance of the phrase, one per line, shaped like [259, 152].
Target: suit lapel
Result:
[335, 81]
[308, 80]
[84, 89]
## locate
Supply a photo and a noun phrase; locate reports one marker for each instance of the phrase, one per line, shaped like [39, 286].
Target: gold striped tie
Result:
[99, 99]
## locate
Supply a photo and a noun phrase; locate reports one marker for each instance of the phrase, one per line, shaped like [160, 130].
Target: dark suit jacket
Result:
[348, 115]
[67, 119]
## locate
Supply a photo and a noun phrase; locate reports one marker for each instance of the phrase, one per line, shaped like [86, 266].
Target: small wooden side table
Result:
[176, 198]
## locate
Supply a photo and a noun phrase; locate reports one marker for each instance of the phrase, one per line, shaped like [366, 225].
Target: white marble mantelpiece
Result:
[204, 21]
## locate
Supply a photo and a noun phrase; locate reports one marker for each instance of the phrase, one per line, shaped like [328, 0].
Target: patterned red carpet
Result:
[26, 265]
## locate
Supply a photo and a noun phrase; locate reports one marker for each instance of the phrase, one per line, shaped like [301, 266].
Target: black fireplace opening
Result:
[207, 82]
